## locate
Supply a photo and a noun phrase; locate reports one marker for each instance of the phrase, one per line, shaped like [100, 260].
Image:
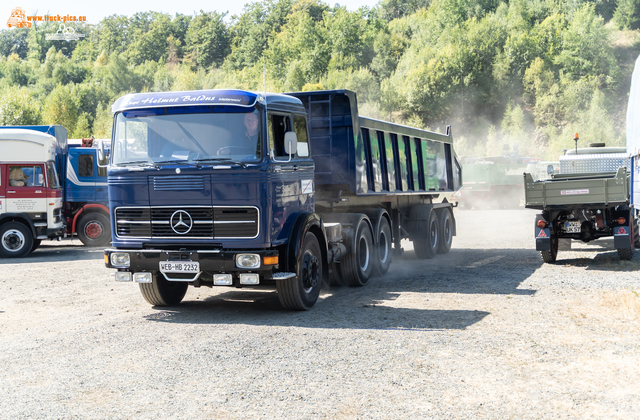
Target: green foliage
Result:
[208, 40]
[525, 73]
[18, 107]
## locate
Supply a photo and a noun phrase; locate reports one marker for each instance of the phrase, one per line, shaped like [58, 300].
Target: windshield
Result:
[196, 134]
[52, 174]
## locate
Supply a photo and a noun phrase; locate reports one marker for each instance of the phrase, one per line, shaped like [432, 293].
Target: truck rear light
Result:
[142, 277]
[621, 220]
[271, 260]
[120, 260]
[541, 224]
[222, 280]
[249, 278]
[123, 276]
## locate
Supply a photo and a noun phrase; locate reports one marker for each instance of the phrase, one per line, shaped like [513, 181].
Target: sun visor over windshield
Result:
[181, 99]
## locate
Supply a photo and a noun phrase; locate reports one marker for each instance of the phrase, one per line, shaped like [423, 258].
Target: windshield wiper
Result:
[179, 162]
[225, 160]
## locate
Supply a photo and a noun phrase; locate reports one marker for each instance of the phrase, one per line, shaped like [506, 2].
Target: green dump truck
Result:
[587, 200]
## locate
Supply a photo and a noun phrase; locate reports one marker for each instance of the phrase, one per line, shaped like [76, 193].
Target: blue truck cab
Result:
[237, 188]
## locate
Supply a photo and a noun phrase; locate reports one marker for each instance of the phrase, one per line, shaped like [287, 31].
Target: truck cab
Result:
[30, 192]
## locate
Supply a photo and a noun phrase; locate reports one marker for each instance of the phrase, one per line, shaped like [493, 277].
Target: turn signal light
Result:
[271, 260]
[621, 220]
[542, 224]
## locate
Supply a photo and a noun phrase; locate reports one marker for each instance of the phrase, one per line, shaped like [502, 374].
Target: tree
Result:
[18, 107]
[208, 40]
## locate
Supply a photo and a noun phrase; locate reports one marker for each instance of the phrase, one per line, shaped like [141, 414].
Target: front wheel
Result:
[162, 292]
[16, 240]
[94, 229]
[301, 292]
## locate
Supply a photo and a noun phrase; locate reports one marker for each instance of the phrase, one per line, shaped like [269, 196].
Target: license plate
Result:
[179, 266]
[572, 227]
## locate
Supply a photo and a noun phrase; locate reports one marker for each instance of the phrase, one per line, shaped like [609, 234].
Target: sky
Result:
[96, 10]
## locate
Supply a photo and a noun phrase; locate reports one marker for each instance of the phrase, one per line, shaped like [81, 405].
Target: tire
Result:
[445, 224]
[356, 267]
[427, 248]
[162, 292]
[16, 240]
[94, 229]
[36, 244]
[550, 256]
[383, 254]
[301, 292]
[636, 232]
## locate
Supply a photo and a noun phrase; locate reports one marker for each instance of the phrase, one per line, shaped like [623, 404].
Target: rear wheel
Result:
[427, 246]
[301, 292]
[356, 267]
[383, 248]
[162, 292]
[445, 222]
[16, 240]
[551, 255]
[94, 229]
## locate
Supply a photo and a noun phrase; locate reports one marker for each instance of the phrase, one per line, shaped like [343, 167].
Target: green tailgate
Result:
[563, 190]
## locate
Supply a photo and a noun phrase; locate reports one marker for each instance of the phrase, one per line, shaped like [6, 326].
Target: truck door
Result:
[102, 193]
[81, 176]
[290, 176]
[25, 192]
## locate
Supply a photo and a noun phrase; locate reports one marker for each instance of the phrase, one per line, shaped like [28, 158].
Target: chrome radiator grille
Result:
[187, 222]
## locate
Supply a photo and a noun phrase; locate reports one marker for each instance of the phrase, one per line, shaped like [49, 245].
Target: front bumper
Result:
[211, 262]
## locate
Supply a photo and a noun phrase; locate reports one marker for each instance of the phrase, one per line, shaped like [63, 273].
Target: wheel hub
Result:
[93, 230]
[310, 268]
[13, 240]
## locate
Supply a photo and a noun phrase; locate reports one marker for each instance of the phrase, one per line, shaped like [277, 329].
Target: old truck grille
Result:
[187, 222]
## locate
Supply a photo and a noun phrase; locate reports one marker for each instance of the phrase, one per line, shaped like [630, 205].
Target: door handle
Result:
[99, 189]
[10, 192]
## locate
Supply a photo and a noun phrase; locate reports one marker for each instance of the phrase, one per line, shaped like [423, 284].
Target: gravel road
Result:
[486, 331]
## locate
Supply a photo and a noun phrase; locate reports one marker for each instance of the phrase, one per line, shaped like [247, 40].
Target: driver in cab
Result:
[247, 143]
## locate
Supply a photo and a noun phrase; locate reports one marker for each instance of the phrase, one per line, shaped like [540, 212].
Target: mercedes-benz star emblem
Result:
[181, 222]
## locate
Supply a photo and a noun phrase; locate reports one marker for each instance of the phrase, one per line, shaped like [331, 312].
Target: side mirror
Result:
[40, 179]
[550, 169]
[290, 142]
[100, 150]
[102, 155]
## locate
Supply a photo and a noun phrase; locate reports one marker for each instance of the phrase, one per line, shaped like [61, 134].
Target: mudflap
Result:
[543, 239]
[622, 237]
[542, 235]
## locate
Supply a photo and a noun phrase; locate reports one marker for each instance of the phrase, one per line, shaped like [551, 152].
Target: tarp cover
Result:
[633, 113]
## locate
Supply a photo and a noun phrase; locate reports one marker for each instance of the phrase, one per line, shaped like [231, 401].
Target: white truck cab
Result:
[30, 191]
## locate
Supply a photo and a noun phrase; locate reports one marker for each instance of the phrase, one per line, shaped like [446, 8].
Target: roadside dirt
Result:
[486, 331]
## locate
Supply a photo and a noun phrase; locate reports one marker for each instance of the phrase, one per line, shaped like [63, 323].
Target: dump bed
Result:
[606, 189]
[375, 157]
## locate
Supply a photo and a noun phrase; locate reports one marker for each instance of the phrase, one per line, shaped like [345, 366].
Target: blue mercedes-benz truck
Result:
[287, 191]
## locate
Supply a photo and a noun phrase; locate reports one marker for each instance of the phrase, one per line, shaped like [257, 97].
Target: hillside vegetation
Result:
[525, 73]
